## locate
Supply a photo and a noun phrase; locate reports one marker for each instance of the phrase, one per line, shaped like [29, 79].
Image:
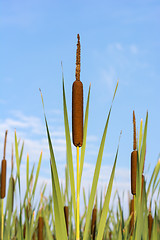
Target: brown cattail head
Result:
[3, 169]
[93, 223]
[66, 214]
[150, 223]
[110, 235]
[142, 185]
[131, 227]
[40, 228]
[77, 104]
[3, 178]
[24, 230]
[133, 171]
[134, 132]
[34, 236]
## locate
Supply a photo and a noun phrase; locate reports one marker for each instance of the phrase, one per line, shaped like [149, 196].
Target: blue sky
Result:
[119, 40]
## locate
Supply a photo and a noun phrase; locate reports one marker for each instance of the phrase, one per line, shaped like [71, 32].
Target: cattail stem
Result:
[2, 219]
[132, 217]
[77, 232]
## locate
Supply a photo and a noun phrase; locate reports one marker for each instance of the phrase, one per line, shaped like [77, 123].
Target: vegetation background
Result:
[119, 40]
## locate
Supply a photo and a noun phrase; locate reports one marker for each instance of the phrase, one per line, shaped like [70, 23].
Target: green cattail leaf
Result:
[27, 172]
[96, 173]
[69, 150]
[140, 137]
[9, 211]
[143, 149]
[154, 235]
[57, 198]
[84, 198]
[59, 234]
[17, 163]
[151, 179]
[48, 231]
[37, 174]
[106, 202]
[83, 148]
[29, 183]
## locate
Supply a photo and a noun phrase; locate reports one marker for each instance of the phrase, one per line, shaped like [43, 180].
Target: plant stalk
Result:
[77, 222]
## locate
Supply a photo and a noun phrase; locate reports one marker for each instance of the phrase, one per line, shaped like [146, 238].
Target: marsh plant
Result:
[58, 216]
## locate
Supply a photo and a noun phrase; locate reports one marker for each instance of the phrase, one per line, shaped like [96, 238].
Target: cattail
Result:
[133, 171]
[66, 214]
[150, 223]
[77, 103]
[131, 227]
[134, 159]
[93, 223]
[40, 228]
[24, 230]
[34, 236]
[110, 235]
[142, 185]
[3, 169]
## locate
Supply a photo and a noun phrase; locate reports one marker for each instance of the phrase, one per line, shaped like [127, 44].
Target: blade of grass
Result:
[57, 198]
[84, 137]
[69, 150]
[106, 201]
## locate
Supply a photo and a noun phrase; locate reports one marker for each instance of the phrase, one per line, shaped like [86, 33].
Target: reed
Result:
[4, 169]
[150, 224]
[77, 103]
[93, 223]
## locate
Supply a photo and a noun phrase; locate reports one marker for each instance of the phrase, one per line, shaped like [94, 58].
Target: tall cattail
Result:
[40, 228]
[77, 103]
[66, 214]
[3, 169]
[134, 159]
[131, 227]
[93, 223]
[150, 223]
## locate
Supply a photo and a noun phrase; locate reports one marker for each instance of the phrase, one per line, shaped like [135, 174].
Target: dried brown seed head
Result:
[134, 132]
[78, 59]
